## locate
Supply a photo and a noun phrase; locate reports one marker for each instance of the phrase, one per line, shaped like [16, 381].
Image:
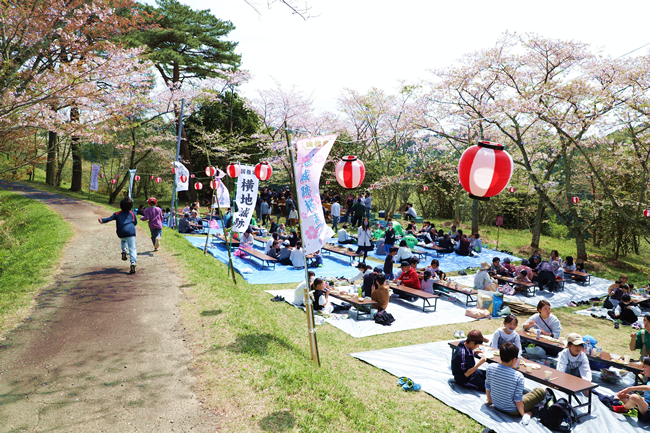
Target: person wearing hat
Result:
[285, 254]
[573, 360]
[184, 225]
[364, 270]
[482, 278]
[463, 364]
[154, 215]
[409, 276]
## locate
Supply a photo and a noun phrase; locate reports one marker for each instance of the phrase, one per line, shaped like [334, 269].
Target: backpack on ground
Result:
[383, 317]
[557, 414]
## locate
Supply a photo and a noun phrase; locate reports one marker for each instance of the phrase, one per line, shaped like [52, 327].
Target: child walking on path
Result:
[154, 215]
[125, 227]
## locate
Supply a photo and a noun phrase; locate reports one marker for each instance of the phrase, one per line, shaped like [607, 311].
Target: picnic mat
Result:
[428, 365]
[572, 291]
[253, 271]
[408, 315]
[601, 313]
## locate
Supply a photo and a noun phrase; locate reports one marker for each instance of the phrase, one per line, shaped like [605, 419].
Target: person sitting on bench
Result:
[285, 254]
[631, 399]
[343, 236]
[409, 276]
[297, 258]
[404, 252]
[463, 364]
[184, 224]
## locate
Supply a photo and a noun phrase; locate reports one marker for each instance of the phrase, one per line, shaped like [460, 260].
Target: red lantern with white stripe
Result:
[214, 184]
[158, 179]
[117, 176]
[575, 200]
[101, 175]
[350, 172]
[198, 186]
[174, 170]
[646, 213]
[233, 170]
[327, 182]
[113, 181]
[152, 177]
[210, 171]
[263, 171]
[484, 170]
[511, 189]
[192, 176]
[136, 177]
[425, 188]
[183, 178]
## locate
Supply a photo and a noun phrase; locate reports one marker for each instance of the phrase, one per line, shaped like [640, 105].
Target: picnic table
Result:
[458, 288]
[409, 291]
[605, 357]
[233, 244]
[342, 251]
[436, 248]
[527, 286]
[584, 275]
[570, 385]
[363, 306]
[266, 259]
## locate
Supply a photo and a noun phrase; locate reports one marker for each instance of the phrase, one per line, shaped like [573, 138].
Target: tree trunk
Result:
[456, 220]
[537, 228]
[581, 248]
[75, 145]
[50, 168]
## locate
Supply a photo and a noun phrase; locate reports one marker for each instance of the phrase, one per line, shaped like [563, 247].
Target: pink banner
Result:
[311, 156]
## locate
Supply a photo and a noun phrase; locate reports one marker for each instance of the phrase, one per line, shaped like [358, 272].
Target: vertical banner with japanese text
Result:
[311, 156]
[246, 198]
[132, 174]
[94, 177]
[222, 194]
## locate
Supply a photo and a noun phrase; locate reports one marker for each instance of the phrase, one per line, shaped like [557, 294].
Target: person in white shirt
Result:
[297, 259]
[482, 278]
[367, 203]
[573, 360]
[343, 236]
[247, 239]
[299, 293]
[507, 333]
[544, 320]
[274, 237]
[363, 271]
[336, 215]
[410, 212]
[403, 254]
[364, 239]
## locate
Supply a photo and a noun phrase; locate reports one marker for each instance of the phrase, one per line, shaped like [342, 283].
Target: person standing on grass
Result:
[125, 222]
[336, 215]
[154, 215]
[367, 203]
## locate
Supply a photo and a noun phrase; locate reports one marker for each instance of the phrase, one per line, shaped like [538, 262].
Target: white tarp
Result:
[429, 365]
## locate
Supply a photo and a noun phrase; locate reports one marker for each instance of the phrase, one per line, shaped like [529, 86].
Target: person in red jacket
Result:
[409, 277]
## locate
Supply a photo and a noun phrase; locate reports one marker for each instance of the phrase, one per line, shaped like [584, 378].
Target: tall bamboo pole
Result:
[309, 308]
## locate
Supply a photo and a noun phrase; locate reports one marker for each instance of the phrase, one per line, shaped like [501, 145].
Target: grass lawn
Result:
[252, 355]
[31, 239]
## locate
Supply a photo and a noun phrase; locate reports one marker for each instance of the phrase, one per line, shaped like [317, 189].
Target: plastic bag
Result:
[497, 301]
[536, 352]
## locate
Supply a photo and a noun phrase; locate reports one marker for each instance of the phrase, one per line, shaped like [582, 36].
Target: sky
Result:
[359, 44]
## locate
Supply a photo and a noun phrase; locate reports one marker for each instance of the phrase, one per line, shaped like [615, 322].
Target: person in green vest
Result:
[359, 211]
[379, 232]
[399, 230]
[411, 240]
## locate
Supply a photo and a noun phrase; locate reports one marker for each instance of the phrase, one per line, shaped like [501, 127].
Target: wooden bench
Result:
[342, 251]
[571, 385]
[463, 290]
[605, 357]
[439, 250]
[584, 275]
[426, 297]
[260, 255]
[527, 286]
[362, 306]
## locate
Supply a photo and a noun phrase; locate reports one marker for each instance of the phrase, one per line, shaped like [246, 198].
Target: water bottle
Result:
[360, 292]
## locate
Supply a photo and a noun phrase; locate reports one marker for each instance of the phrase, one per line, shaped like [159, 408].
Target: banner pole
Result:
[178, 151]
[309, 308]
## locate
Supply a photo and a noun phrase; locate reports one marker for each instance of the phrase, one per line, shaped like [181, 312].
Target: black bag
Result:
[608, 304]
[557, 414]
[384, 318]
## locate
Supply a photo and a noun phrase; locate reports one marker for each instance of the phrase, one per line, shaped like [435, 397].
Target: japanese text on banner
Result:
[94, 177]
[311, 156]
[246, 198]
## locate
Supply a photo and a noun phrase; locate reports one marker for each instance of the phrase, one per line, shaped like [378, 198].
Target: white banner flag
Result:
[181, 170]
[222, 194]
[311, 156]
[246, 198]
[94, 177]
[132, 173]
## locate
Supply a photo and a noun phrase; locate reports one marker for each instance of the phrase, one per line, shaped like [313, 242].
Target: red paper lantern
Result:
[350, 172]
[136, 177]
[101, 175]
[152, 177]
[183, 178]
[210, 171]
[174, 169]
[192, 176]
[113, 181]
[233, 170]
[263, 171]
[425, 188]
[158, 179]
[511, 189]
[327, 182]
[117, 176]
[575, 200]
[484, 170]
[646, 213]
[214, 184]
[198, 186]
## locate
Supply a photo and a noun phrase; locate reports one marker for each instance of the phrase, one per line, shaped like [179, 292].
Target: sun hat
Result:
[484, 266]
[575, 338]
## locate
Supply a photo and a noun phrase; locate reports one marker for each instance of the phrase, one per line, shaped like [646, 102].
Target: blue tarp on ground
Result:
[253, 272]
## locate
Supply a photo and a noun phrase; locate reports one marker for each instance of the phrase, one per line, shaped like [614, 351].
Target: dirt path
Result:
[103, 350]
